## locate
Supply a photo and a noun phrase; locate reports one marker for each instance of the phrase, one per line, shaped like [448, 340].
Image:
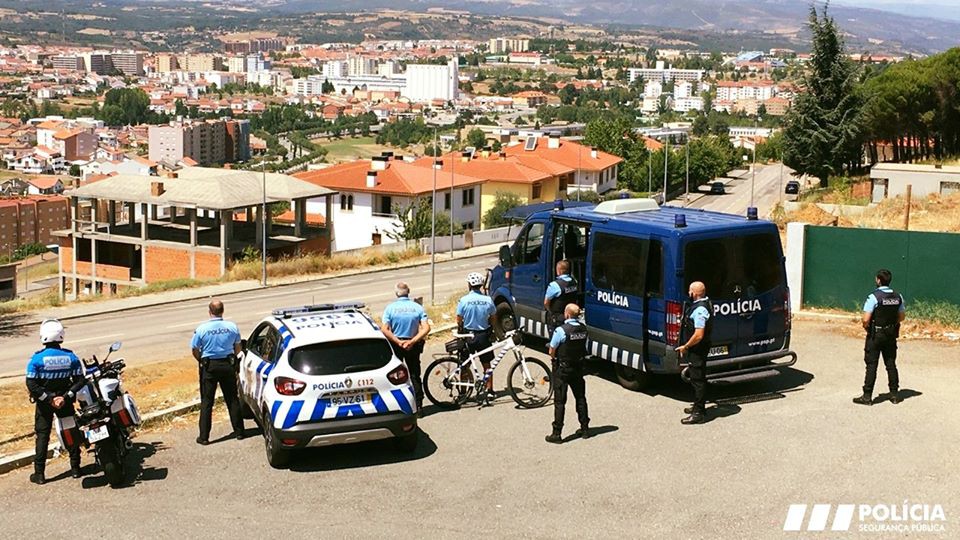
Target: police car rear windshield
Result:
[337, 357]
[735, 266]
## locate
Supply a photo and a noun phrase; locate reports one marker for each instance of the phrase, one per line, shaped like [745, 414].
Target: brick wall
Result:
[165, 264]
[66, 255]
[31, 220]
[207, 265]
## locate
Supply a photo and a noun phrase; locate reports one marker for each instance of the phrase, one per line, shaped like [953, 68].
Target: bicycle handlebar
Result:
[470, 335]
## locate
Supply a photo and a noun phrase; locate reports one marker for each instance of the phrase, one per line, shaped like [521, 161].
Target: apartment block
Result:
[663, 74]
[206, 142]
[167, 63]
[68, 63]
[200, 62]
[100, 63]
[427, 82]
[31, 220]
[504, 45]
[128, 62]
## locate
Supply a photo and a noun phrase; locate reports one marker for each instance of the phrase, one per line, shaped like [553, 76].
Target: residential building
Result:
[200, 63]
[68, 62]
[131, 231]
[100, 63]
[44, 185]
[236, 64]
[310, 86]
[370, 192]
[77, 144]
[687, 104]
[684, 89]
[428, 82]
[108, 167]
[664, 74]
[31, 220]
[893, 180]
[777, 106]
[255, 45]
[529, 98]
[336, 69]
[737, 90]
[504, 45]
[167, 63]
[205, 142]
[359, 66]
[256, 64]
[652, 89]
[531, 58]
[593, 169]
[127, 62]
[389, 68]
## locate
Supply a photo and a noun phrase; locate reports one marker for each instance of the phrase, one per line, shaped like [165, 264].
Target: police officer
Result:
[560, 292]
[475, 312]
[883, 312]
[216, 344]
[568, 349]
[698, 324]
[54, 374]
[406, 326]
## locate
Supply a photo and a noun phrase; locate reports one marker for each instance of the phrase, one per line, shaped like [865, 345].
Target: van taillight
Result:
[674, 316]
[786, 309]
[288, 387]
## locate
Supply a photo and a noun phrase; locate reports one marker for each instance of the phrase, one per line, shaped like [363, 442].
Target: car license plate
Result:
[719, 350]
[354, 398]
[98, 434]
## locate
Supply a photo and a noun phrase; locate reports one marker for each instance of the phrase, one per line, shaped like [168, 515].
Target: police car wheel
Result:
[630, 378]
[277, 457]
[407, 443]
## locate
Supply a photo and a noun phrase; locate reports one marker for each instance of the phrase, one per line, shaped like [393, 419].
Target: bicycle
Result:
[453, 377]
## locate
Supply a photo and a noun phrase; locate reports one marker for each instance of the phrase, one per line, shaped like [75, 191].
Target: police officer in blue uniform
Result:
[883, 312]
[216, 344]
[568, 349]
[406, 326]
[698, 325]
[54, 375]
[560, 292]
[475, 312]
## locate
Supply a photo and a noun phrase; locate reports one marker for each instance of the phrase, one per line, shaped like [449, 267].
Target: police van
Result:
[634, 261]
[322, 375]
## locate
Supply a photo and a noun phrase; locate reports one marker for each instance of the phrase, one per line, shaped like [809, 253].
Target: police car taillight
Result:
[288, 387]
[399, 375]
[674, 314]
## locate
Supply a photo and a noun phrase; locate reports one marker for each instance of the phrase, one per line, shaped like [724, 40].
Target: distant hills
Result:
[866, 28]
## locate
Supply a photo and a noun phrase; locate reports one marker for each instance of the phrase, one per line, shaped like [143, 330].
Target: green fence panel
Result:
[840, 265]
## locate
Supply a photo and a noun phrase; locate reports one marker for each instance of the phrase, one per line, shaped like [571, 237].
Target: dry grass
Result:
[934, 213]
[319, 264]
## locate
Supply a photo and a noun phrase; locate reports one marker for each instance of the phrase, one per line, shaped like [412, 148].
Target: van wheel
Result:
[631, 379]
[504, 320]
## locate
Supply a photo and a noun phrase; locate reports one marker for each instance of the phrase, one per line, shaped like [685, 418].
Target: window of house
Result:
[467, 195]
[343, 202]
[468, 225]
[446, 201]
[537, 189]
[386, 205]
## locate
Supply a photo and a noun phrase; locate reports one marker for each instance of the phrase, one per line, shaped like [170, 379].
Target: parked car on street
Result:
[717, 188]
[793, 188]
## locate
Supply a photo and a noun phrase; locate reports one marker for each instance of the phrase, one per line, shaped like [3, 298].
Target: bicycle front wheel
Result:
[530, 382]
[447, 385]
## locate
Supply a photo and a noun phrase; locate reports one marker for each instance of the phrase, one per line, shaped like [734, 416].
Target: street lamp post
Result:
[666, 158]
[263, 226]
[453, 162]
[433, 224]
[686, 194]
[753, 175]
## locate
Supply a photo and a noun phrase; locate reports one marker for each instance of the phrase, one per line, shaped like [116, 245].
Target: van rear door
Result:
[746, 281]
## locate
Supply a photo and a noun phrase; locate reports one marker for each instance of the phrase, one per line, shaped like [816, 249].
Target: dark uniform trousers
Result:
[569, 374]
[698, 380]
[215, 372]
[881, 342]
[411, 357]
[42, 424]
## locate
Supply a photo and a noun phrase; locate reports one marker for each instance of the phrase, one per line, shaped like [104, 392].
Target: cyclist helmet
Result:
[51, 331]
[475, 279]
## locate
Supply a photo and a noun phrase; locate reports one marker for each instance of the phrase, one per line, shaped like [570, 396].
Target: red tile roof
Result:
[570, 154]
[398, 178]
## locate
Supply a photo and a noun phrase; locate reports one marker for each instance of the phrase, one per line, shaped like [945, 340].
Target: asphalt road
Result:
[766, 192]
[487, 472]
[164, 332]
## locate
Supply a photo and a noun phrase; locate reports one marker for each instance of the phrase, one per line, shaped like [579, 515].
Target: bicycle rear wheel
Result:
[530, 388]
[445, 385]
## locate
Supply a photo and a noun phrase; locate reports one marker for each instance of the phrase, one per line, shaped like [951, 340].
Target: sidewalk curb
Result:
[25, 458]
[200, 295]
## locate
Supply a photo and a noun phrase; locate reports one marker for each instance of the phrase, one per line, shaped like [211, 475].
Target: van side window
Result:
[619, 265]
[529, 244]
[655, 269]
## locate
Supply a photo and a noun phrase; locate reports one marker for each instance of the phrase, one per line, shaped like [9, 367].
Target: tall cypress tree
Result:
[822, 135]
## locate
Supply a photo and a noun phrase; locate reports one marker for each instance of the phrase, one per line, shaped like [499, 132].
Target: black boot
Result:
[554, 437]
[76, 471]
[689, 410]
[694, 418]
[895, 397]
[37, 478]
[865, 399]
[584, 432]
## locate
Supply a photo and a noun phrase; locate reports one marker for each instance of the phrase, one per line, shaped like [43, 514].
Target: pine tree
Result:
[822, 136]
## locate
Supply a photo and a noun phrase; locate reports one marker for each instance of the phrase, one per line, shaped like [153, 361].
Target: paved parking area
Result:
[487, 472]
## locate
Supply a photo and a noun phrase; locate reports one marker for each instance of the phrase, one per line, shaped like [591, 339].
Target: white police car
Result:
[323, 375]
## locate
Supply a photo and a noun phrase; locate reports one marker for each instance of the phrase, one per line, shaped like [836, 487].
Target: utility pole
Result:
[666, 158]
[579, 169]
[433, 225]
[453, 162]
[781, 178]
[686, 194]
[753, 176]
[263, 225]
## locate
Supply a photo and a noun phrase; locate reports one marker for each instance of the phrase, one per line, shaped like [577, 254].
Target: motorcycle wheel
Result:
[110, 457]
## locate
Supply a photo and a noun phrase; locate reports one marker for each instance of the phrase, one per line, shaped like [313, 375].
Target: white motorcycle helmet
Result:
[51, 331]
[475, 279]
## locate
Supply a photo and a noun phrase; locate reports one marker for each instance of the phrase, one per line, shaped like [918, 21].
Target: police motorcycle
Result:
[106, 415]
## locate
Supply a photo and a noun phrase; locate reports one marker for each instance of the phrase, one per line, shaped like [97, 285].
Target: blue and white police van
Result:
[322, 375]
[634, 261]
